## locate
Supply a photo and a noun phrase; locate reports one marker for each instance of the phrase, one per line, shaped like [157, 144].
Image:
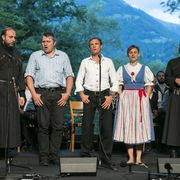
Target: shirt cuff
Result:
[114, 89]
[149, 84]
[71, 74]
[29, 74]
[78, 90]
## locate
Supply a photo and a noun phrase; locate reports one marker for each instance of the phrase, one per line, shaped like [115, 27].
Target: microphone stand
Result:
[167, 166]
[99, 109]
[99, 79]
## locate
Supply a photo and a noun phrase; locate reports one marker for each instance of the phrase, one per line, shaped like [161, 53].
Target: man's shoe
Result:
[43, 162]
[109, 165]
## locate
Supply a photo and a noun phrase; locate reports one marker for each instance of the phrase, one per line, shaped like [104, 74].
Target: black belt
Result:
[51, 89]
[97, 93]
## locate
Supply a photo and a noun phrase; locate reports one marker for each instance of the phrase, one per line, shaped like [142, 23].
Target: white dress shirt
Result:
[148, 75]
[88, 75]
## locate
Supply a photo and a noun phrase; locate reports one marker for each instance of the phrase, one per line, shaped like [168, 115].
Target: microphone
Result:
[168, 167]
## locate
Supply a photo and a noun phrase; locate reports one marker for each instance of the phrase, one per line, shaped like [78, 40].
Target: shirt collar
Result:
[102, 59]
[55, 54]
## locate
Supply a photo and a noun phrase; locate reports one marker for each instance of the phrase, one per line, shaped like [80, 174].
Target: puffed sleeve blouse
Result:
[148, 75]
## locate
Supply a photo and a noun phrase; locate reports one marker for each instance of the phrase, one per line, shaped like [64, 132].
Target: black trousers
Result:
[50, 118]
[105, 125]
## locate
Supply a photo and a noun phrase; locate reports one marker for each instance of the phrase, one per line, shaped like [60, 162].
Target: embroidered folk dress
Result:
[133, 119]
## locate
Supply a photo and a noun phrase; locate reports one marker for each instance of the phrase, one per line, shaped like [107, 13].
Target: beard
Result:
[8, 46]
[161, 81]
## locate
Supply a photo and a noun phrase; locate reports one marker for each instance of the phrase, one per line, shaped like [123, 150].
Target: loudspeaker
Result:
[78, 166]
[173, 164]
[3, 168]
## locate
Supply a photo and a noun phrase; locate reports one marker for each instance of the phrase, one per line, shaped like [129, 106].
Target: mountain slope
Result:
[156, 39]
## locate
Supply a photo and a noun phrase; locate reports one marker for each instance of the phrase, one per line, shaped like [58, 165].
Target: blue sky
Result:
[153, 8]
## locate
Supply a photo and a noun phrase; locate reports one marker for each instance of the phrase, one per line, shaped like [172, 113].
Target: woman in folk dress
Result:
[133, 120]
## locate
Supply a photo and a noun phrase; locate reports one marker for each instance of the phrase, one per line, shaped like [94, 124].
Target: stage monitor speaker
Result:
[78, 166]
[3, 168]
[173, 164]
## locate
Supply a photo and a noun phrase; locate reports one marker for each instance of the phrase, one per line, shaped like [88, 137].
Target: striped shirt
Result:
[49, 72]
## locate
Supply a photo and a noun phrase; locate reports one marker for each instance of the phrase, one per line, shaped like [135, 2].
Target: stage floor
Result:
[52, 171]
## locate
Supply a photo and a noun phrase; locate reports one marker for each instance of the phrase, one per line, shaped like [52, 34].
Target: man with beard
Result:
[11, 85]
[161, 87]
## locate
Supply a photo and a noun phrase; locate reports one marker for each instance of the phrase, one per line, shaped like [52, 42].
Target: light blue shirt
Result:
[49, 72]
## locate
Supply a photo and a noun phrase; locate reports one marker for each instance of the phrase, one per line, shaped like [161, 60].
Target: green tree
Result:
[156, 66]
[172, 5]
[73, 25]
[8, 16]
[32, 17]
[176, 51]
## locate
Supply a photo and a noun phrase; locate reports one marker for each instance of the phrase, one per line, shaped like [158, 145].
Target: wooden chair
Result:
[76, 109]
[18, 149]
